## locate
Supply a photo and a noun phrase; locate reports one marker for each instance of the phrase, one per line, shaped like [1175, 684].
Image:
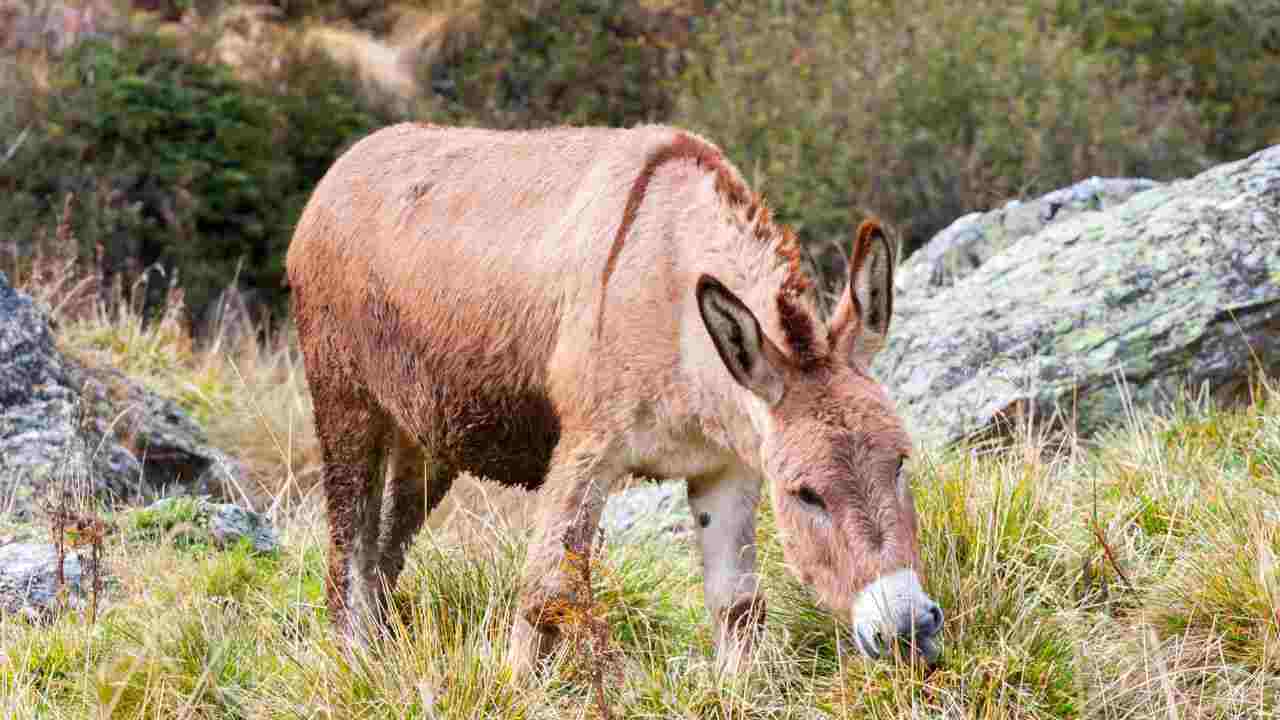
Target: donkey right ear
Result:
[860, 323]
[750, 357]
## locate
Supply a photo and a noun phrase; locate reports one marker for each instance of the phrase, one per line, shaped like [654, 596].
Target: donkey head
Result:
[833, 450]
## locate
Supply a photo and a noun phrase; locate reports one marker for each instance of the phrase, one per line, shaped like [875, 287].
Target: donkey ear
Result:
[750, 357]
[860, 324]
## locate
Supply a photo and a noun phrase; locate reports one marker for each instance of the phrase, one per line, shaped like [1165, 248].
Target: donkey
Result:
[562, 308]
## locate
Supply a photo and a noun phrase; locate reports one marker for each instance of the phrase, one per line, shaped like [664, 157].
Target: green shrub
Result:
[177, 521]
[1221, 55]
[584, 62]
[916, 112]
[906, 109]
[177, 162]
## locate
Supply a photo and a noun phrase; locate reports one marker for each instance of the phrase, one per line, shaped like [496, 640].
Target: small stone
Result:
[646, 510]
[229, 523]
[28, 574]
[223, 525]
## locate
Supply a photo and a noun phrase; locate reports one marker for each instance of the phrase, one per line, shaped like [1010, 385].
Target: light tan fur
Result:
[557, 309]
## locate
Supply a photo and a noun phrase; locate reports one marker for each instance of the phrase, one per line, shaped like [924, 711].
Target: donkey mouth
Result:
[871, 643]
[894, 616]
[868, 646]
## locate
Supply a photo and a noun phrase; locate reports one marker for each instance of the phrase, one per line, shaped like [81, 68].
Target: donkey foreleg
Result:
[556, 569]
[724, 514]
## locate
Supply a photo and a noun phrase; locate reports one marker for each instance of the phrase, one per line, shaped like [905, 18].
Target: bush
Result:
[585, 62]
[180, 163]
[906, 109]
[1221, 55]
[917, 112]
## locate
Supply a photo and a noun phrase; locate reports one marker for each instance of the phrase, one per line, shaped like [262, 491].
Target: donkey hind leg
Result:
[353, 439]
[578, 482]
[724, 513]
[415, 485]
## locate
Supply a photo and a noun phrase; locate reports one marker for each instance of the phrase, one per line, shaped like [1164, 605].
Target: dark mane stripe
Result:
[728, 186]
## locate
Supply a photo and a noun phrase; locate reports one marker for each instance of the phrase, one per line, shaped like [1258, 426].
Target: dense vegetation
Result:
[906, 109]
[176, 161]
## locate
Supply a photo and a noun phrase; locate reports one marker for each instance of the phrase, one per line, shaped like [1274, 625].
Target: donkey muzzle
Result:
[895, 611]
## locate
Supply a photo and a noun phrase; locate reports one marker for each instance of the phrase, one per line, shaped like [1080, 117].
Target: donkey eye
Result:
[807, 496]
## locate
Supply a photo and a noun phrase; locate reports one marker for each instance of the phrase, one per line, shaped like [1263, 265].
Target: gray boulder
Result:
[65, 423]
[42, 432]
[967, 243]
[198, 520]
[28, 578]
[1078, 303]
[647, 510]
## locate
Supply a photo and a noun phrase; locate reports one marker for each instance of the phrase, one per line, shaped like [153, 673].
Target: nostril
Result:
[927, 623]
[935, 618]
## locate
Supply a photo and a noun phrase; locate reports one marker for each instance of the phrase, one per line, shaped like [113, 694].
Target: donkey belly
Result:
[462, 367]
[507, 439]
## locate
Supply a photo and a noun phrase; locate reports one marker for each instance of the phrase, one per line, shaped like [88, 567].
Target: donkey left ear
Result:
[860, 325]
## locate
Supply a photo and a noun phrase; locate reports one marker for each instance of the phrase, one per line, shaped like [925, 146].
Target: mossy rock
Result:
[1098, 312]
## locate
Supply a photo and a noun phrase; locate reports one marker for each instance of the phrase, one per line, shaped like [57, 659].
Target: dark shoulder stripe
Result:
[687, 147]
[683, 147]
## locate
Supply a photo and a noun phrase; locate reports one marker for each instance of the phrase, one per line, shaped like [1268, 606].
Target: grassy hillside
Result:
[1132, 576]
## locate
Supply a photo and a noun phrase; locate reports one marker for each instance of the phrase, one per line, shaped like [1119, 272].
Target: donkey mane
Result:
[797, 324]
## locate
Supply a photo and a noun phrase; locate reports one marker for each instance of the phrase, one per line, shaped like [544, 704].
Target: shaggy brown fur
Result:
[447, 292]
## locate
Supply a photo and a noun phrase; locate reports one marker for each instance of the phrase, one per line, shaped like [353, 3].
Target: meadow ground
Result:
[1133, 575]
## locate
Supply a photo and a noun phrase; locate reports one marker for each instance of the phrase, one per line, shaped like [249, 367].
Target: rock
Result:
[61, 421]
[1043, 306]
[973, 239]
[229, 523]
[197, 520]
[174, 451]
[40, 422]
[647, 510]
[28, 574]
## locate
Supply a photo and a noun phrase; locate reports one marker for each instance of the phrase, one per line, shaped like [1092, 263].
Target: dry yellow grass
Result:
[1133, 576]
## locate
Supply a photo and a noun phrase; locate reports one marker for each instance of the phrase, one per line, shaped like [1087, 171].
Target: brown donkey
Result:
[561, 308]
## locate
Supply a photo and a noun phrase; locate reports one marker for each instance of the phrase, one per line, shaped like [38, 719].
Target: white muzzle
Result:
[896, 610]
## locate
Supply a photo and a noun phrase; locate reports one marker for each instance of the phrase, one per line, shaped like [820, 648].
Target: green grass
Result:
[1178, 617]
[1133, 575]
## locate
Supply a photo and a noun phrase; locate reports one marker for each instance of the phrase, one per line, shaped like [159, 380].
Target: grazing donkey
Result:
[561, 308]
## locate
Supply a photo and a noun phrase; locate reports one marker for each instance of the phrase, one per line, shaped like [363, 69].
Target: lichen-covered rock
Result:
[60, 422]
[41, 431]
[967, 243]
[188, 520]
[229, 523]
[647, 510]
[28, 578]
[173, 448]
[1080, 312]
